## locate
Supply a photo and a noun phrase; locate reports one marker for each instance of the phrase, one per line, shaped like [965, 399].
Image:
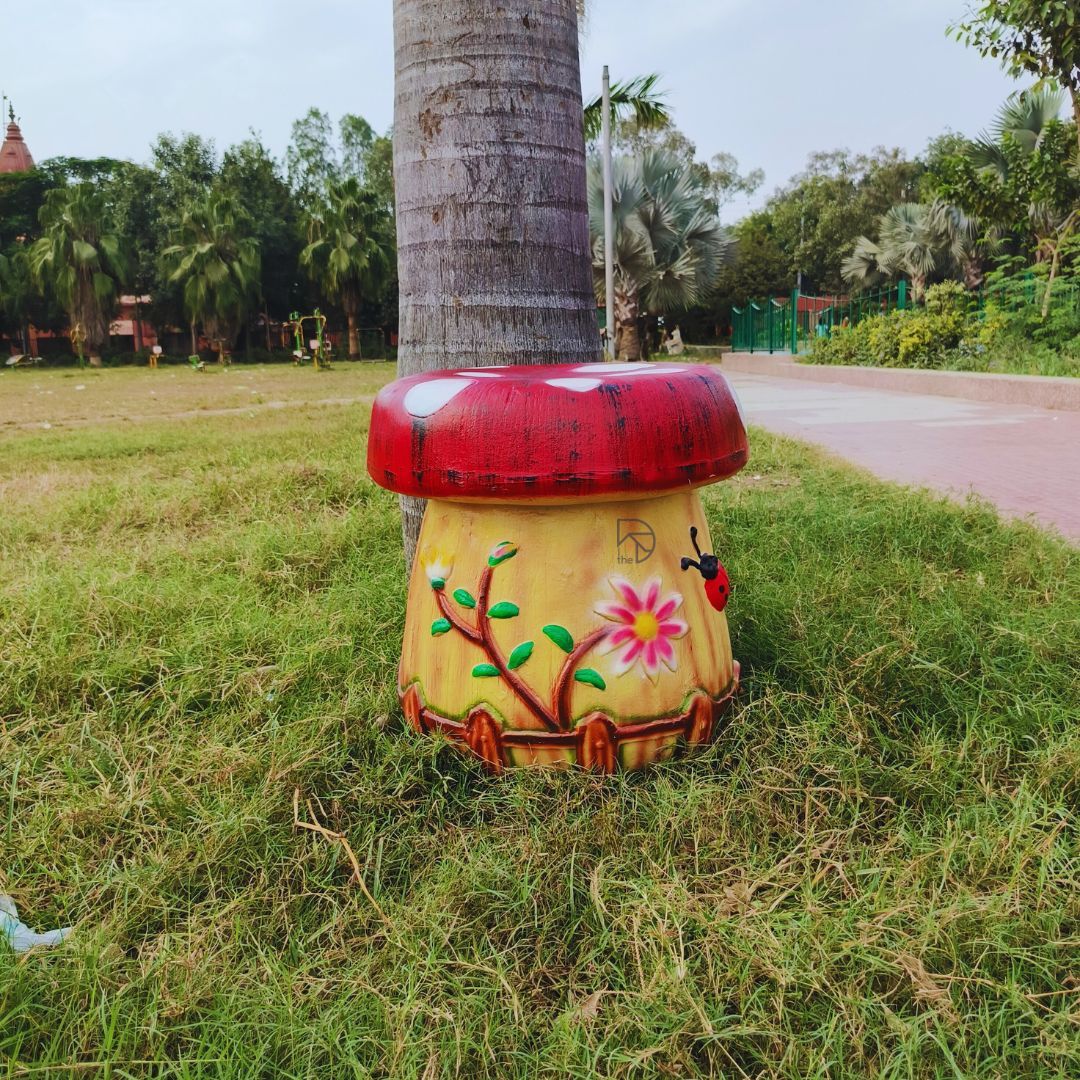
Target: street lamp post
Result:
[609, 226]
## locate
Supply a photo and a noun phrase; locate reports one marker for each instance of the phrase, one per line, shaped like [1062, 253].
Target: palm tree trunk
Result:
[354, 336]
[627, 338]
[494, 265]
[194, 341]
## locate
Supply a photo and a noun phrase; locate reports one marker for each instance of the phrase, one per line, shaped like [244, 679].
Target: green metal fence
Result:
[854, 309]
[761, 326]
[790, 324]
[1027, 290]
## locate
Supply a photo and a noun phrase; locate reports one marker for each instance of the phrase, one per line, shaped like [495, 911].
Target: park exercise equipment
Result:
[78, 341]
[565, 605]
[319, 344]
[155, 355]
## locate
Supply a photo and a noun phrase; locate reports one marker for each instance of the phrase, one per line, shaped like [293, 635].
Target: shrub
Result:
[950, 331]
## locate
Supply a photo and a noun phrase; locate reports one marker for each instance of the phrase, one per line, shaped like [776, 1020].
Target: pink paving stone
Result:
[1024, 460]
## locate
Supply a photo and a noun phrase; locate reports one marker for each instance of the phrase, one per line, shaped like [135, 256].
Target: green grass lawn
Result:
[875, 872]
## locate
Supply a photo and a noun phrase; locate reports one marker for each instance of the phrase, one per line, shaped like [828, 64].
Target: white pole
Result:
[609, 223]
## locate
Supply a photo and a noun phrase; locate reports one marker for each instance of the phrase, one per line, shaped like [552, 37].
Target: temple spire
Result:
[14, 154]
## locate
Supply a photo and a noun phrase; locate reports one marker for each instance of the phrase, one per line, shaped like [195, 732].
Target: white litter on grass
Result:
[19, 936]
[81, 386]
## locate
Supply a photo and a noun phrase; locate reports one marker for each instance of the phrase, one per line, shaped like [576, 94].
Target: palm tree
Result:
[489, 171]
[348, 251]
[217, 263]
[1023, 122]
[919, 240]
[637, 99]
[669, 247]
[1023, 118]
[81, 260]
[863, 267]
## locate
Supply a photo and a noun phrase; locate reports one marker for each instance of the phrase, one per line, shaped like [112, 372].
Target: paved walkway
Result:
[1023, 459]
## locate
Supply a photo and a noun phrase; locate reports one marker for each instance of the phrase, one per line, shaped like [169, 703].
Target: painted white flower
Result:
[437, 566]
[645, 628]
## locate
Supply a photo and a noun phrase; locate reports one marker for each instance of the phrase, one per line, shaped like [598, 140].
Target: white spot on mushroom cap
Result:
[630, 369]
[737, 399]
[477, 374]
[579, 386]
[427, 398]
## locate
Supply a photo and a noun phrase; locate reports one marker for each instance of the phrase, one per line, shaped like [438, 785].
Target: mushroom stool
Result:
[565, 605]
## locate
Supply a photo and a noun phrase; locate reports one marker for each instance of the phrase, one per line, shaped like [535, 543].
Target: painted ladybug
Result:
[717, 584]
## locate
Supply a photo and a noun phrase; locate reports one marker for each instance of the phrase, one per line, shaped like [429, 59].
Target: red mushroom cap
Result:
[556, 431]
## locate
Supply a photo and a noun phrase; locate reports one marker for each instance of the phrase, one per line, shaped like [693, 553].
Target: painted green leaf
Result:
[485, 671]
[440, 626]
[464, 598]
[504, 610]
[561, 636]
[520, 655]
[592, 678]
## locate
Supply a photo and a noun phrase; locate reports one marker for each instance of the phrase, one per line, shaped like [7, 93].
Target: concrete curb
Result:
[1042, 391]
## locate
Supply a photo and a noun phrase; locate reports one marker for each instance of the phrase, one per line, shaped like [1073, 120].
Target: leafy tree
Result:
[16, 294]
[216, 263]
[311, 159]
[821, 212]
[719, 176]
[252, 178]
[315, 162]
[21, 197]
[1019, 180]
[379, 171]
[83, 260]
[1038, 37]
[356, 137]
[182, 171]
[759, 267]
[187, 167]
[349, 251]
[669, 245]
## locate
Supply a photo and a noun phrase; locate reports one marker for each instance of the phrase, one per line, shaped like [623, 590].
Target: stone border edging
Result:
[1041, 391]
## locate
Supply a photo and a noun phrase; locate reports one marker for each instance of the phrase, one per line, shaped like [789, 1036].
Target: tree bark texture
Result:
[627, 338]
[354, 337]
[494, 263]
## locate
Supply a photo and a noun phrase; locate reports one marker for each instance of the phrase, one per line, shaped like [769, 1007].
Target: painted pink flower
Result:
[645, 628]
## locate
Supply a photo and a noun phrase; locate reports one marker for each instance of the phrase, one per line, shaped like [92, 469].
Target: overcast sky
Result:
[766, 80]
